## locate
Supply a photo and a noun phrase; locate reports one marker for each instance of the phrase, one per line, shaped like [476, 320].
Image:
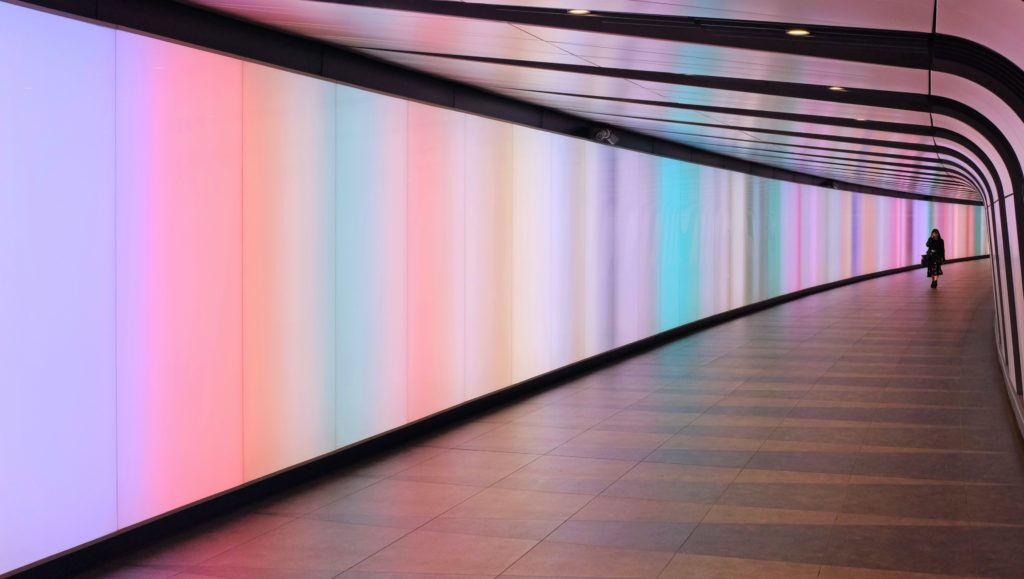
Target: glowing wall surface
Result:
[212, 270]
[58, 460]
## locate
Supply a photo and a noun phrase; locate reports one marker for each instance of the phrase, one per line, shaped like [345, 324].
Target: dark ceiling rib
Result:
[968, 167]
[950, 135]
[938, 175]
[848, 161]
[989, 131]
[940, 105]
[870, 164]
[756, 113]
[867, 97]
[901, 100]
[934, 174]
[906, 49]
[871, 175]
[882, 176]
[924, 148]
[926, 164]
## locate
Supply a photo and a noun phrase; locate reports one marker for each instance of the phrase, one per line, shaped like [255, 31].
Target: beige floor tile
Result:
[467, 467]
[685, 566]
[551, 559]
[567, 474]
[500, 503]
[453, 553]
[606, 508]
[729, 514]
[681, 473]
[311, 545]
[396, 503]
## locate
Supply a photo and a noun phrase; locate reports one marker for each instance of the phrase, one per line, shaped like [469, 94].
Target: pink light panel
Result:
[236, 269]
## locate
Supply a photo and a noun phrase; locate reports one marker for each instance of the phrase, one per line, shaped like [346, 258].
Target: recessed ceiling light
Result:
[837, 88]
[860, 119]
[798, 32]
[579, 11]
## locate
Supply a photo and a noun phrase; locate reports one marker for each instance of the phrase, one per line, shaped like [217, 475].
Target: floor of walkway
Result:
[861, 432]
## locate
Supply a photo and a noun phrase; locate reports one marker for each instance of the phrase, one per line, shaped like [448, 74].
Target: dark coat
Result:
[936, 256]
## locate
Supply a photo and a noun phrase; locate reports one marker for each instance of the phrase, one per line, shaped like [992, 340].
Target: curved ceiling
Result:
[680, 71]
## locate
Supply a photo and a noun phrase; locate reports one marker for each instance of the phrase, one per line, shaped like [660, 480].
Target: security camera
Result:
[604, 135]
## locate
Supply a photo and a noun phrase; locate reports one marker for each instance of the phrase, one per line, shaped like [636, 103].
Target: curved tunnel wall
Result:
[214, 269]
[978, 59]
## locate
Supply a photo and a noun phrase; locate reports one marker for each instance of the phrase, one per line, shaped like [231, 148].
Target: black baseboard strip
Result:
[129, 539]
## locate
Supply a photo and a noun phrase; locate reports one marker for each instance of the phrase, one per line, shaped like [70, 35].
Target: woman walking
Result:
[936, 255]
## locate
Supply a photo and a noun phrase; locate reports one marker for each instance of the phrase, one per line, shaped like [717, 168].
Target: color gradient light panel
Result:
[534, 347]
[598, 220]
[286, 266]
[635, 296]
[436, 286]
[370, 269]
[57, 427]
[489, 249]
[565, 248]
[677, 236]
[288, 276]
[179, 290]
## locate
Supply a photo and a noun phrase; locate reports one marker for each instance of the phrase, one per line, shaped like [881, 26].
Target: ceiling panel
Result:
[931, 171]
[764, 102]
[914, 15]
[1002, 34]
[505, 77]
[601, 77]
[635, 53]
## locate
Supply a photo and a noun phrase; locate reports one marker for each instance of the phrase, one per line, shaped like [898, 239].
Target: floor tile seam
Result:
[192, 566]
[568, 518]
[463, 449]
[739, 471]
[334, 500]
[704, 516]
[677, 432]
[835, 520]
[849, 476]
[618, 412]
[421, 526]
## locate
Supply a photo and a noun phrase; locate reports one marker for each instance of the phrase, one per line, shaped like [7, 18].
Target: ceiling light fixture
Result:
[837, 89]
[798, 32]
[579, 11]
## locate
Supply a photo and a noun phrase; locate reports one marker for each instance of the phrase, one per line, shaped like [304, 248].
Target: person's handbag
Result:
[924, 259]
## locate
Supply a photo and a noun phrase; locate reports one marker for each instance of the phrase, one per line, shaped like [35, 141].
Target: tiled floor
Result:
[861, 432]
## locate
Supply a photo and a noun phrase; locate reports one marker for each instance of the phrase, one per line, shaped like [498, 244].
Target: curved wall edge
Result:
[143, 533]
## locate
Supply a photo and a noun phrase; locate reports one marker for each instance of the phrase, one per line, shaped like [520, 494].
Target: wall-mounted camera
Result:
[604, 135]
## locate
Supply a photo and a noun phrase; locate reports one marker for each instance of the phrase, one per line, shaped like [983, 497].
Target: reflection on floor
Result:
[862, 432]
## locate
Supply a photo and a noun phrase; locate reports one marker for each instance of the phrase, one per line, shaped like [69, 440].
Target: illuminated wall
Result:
[212, 270]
